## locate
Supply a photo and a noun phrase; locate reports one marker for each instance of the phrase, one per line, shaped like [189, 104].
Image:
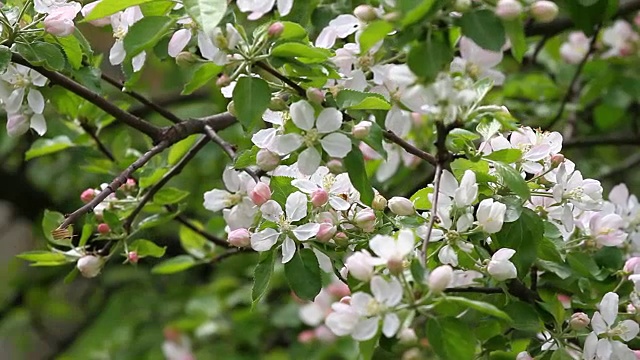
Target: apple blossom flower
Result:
[337, 187]
[238, 184]
[500, 267]
[575, 48]
[360, 265]
[477, 62]
[490, 215]
[621, 39]
[18, 82]
[601, 343]
[59, 22]
[440, 278]
[586, 194]
[393, 250]
[180, 39]
[323, 130]
[295, 210]
[537, 147]
[257, 8]
[120, 22]
[340, 27]
[606, 229]
[361, 318]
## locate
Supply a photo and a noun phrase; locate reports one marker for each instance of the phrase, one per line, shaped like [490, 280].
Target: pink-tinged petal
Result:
[17, 124]
[303, 115]
[390, 325]
[470, 51]
[288, 250]
[286, 144]
[38, 124]
[329, 120]
[537, 152]
[336, 144]
[296, 206]
[366, 329]
[178, 42]
[306, 231]
[308, 161]
[35, 101]
[271, 211]
[264, 240]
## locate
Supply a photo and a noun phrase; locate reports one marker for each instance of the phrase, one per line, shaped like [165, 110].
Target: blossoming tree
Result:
[371, 161]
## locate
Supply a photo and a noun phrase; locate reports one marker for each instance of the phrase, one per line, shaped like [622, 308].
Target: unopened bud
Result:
[306, 336]
[565, 300]
[103, 228]
[379, 203]
[508, 9]
[231, 108]
[366, 220]
[133, 257]
[277, 104]
[267, 160]
[89, 266]
[579, 321]
[319, 197]
[407, 336]
[392, 16]
[315, 95]
[401, 206]
[338, 289]
[556, 160]
[275, 29]
[130, 184]
[365, 13]
[223, 81]
[544, 11]
[260, 194]
[239, 238]
[341, 239]
[346, 300]
[362, 129]
[395, 266]
[440, 278]
[186, 59]
[335, 166]
[462, 5]
[631, 309]
[326, 232]
[87, 195]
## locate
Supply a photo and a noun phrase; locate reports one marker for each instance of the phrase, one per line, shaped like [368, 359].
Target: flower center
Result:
[374, 308]
[120, 32]
[311, 137]
[21, 81]
[284, 223]
[232, 200]
[328, 181]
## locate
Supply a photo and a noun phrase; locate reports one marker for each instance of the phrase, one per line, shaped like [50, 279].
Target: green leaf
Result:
[292, 31]
[373, 33]
[585, 265]
[42, 147]
[72, 49]
[87, 231]
[415, 10]
[5, 58]
[421, 199]
[417, 271]
[506, 156]
[357, 100]
[194, 243]
[153, 178]
[246, 158]
[512, 179]
[174, 265]
[51, 221]
[147, 248]
[109, 7]
[207, 13]
[524, 316]
[299, 50]
[484, 28]
[303, 274]
[42, 256]
[155, 220]
[43, 54]
[524, 236]
[262, 275]
[179, 149]
[145, 33]
[515, 32]
[427, 59]
[374, 139]
[169, 195]
[480, 306]
[450, 338]
[251, 98]
[203, 74]
[367, 348]
[586, 14]
[354, 162]
[281, 188]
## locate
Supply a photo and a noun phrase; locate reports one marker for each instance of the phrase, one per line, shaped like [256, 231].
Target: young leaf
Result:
[50, 222]
[109, 7]
[145, 33]
[357, 100]
[506, 156]
[251, 97]
[42, 53]
[513, 180]
[170, 195]
[42, 147]
[207, 13]
[484, 28]
[298, 50]
[480, 306]
[262, 275]
[515, 32]
[203, 74]
[147, 248]
[450, 338]
[427, 59]
[5, 58]
[281, 188]
[354, 162]
[303, 274]
[373, 33]
[42, 256]
[174, 265]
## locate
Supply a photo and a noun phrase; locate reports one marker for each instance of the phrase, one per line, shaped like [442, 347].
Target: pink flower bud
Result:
[401, 206]
[260, 194]
[631, 265]
[223, 80]
[319, 197]
[335, 166]
[556, 160]
[267, 160]
[326, 232]
[346, 300]
[579, 321]
[379, 203]
[275, 29]
[338, 289]
[240, 238]
[87, 195]
[130, 184]
[133, 257]
[362, 129]
[341, 239]
[366, 220]
[508, 9]
[86, 10]
[59, 21]
[315, 95]
[365, 13]
[17, 124]
[440, 278]
[306, 336]
[544, 11]
[631, 309]
[523, 355]
[103, 228]
[565, 300]
[89, 266]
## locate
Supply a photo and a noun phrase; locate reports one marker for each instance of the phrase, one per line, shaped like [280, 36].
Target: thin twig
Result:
[390, 135]
[434, 210]
[143, 100]
[570, 90]
[175, 170]
[92, 133]
[228, 149]
[115, 184]
[186, 222]
[302, 92]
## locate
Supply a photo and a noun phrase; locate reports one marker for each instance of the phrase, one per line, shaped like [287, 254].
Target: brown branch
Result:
[91, 131]
[228, 149]
[143, 100]
[175, 170]
[115, 184]
[121, 115]
[390, 135]
[186, 222]
[302, 92]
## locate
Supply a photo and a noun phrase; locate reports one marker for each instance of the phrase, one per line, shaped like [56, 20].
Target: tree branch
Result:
[90, 130]
[121, 115]
[302, 92]
[228, 149]
[186, 222]
[391, 136]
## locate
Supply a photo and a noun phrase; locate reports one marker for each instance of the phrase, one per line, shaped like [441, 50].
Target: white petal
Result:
[590, 345]
[327, 38]
[308, 161]
[207, 49]
[345, 25]
[342, 323]
[503, 254]
[329, 120]
[630, 329]
[284, 7]
[36, 101]
[339, 203]
[405, 242]
[598, 324]
[117, 53]
[306, 186]
[604, 349]
[271, 211]
[398, 121]
[138, 61]
[303, 115]
[609, 307]
[390, 325]
[336, 144]
[264, 138]
[264, 240]
[273, 117]
[306, 231]
[286, 144]
[179, 41]
[288, 250]
[14, 102]
[231, 179]
[38, 124]
[383, 246]
[17, 124]
[215, 200]
[366, 329]
[296, 206]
